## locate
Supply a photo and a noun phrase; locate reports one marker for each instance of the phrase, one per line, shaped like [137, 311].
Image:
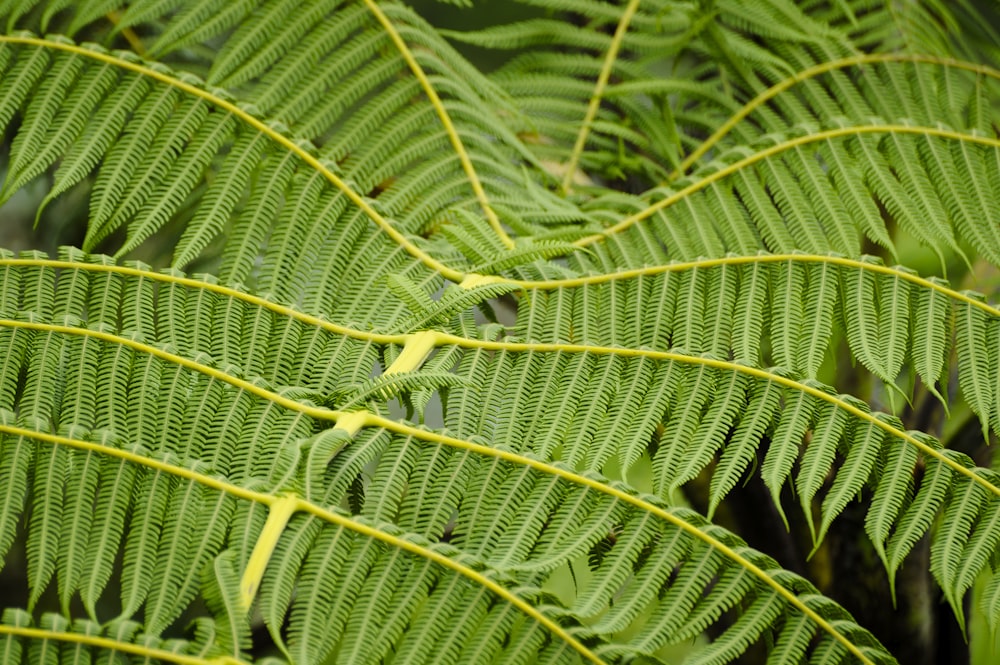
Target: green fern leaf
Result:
[968, 502]
[973, 378]
[762, 407]
[866, 444]
[893, 491]
[589, 258]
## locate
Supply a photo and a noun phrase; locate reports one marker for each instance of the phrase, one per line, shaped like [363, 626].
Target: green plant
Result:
[334, 441]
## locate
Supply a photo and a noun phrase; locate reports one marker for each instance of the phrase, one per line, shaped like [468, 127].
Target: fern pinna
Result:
[356, 353]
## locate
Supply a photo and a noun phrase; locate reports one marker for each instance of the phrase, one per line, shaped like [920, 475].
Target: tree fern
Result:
[276, 403]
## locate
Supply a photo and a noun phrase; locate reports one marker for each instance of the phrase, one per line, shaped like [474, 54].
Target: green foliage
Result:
[331, 436]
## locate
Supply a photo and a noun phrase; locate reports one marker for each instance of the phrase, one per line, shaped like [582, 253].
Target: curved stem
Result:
[414, 548]
[147, 653]
[449, 126]
[444, 338]
[774, 150]
[595, 98]
[128, 33]
[544, 285]
[261, 127]
[811, 72]
[303, 505]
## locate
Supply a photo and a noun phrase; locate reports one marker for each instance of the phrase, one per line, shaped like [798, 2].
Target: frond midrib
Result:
[595, 98]
[304, 505]
[453, 137]
[331, 517]
[378, 421]
[447, 338]
[776, 149]
[812, 72]
[245, 117]
[113, 645]
[472, 280]
[456, 275]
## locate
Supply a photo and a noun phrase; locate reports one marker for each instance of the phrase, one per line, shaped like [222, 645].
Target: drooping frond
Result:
[209, 440]
[641, 179]
[232, 420]
[147, 110]
[777, 310]
[796, 157]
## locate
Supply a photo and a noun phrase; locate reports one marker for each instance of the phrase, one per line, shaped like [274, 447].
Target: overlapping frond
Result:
[781, 310]
[801, 153]
[168, 471]
[231, 445]
[293, 196]
[660, 104]
[231, 424]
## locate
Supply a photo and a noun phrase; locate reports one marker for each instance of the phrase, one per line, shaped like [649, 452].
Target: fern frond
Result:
[161, 556]
[203, 125]
[642, 179]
